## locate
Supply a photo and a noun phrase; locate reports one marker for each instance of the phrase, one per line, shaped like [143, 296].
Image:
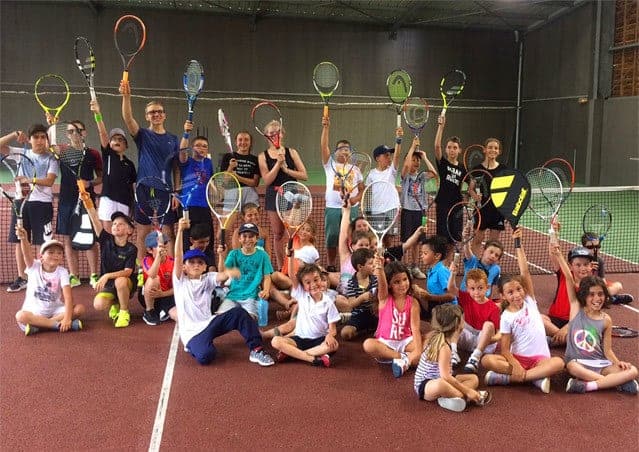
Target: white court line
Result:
[630, 307]
[160, 414]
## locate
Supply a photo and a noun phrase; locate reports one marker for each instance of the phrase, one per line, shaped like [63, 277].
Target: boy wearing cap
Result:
[198, 326]
[255, 271]
[47, 287]
[157, 292]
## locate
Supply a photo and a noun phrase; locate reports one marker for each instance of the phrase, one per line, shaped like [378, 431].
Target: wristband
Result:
[97, 117]
[185, 135]
[398, 140]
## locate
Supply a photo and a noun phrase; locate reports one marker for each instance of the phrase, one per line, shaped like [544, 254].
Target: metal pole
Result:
[594, 96]
[518, 115]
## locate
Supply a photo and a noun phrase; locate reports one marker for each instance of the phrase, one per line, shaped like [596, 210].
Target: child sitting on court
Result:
[434, 378]
[198, 326]
[48, 302]
[315, 324]
[157, 292]
[615, 288]
[481, 317]
[398, 336]
[525, 356]
[488, 262]
[361, 291]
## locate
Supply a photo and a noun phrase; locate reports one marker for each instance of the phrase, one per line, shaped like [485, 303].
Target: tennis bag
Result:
[81, 230]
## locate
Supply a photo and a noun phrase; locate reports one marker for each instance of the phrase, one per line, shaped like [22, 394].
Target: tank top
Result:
[281, 176]
[394, 324]
[584, 339]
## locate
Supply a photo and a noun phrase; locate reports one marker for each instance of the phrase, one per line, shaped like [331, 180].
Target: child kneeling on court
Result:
[316, 321]
[434, 379]
[157, 293]
[198, 327]
[47, 285]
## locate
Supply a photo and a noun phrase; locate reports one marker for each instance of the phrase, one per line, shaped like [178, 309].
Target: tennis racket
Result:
[473, 156]
[52, 94]
[624, 331]
[129, 35]
[451, 86]
[510, 192]
[596, 222]
[85, 60]
[267, 120]
[462, 223]
[416, 115]
[224, 129]
[153, 200]
[223, 194]
[399, 86]
[546, 196]
[17, 183]
[380, 207]
[565, 172]
[294, 205]
[475, 187]
[424, 190]
[349, 168]
[193, 81]
[325, 81]
[67, 146]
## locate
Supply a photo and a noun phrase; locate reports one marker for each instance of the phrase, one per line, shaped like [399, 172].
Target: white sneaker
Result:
[454, 358]
[543, 384]
[456, 404]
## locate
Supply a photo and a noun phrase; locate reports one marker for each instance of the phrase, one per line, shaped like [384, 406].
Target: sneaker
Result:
[543, 384]
[113, 311]
[323, 360]
[631, 387]
[17, 285]
[259, 356]
[494, 378]
[417, 273]
[30, 330]
[400, 366]
[576, 386]
[164, 316]
[151, 317]
[123, 319]
[74, 281]
[622, 298]
[281, 357]
[454, 358]
[456, 404]
[93, 279]
[472, 366]
[484, 398]
[76, 325]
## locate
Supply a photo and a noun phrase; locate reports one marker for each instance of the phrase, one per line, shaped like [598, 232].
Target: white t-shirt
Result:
[528, 336]
[313, 316]
[44, 289]
[333, 184]
[193, 303]
[389, 175]
[44, 165]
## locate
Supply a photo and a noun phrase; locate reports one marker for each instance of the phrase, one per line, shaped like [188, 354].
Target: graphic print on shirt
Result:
[453, 175]
[398, 326]
[586, 339]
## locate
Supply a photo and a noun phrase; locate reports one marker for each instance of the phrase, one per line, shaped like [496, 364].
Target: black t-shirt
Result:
[247, 165]
[115, 258]
[489, 210]
[119, 175]
[450, 177]
[87, 168]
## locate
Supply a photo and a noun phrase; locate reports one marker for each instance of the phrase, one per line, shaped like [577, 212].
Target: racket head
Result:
[193, 81]
[224, 129]
[399, 86]
[546, 192]
[473, 156]
[267, 120]
[52, 94]
[596, 222]
[479, 181]
[153, 199]
[223, 195]
[12, 167]
[66, 143]
[325, 79]
[129, 36]
[564, 170]
[624, 331]
[85, 60]
[362, 163]
[342, 168]
[416, 111]
[462, 223]
[510, 193]
[294, 204]
[380, 207]
[451, 85]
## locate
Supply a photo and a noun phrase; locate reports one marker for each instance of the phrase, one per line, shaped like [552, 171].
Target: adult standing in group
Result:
[156, 147]
[278, 166]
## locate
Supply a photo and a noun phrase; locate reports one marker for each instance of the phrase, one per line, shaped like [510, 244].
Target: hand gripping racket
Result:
[380, 207]
[85, 60]
[224, 129]
[451, 86]
[325, 81]
[52, 94]
[193, 81]
[596, 223]
[475, 186]
[17, 184]
[267, 120]
[399, 86]
[294, 205]
[129, 35]
[223, 194]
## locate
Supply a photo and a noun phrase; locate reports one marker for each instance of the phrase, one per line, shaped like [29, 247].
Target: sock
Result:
[453, 347]
[476, 354]
[591, 386]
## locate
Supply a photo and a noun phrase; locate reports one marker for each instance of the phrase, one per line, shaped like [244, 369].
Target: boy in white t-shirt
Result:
[48, 302]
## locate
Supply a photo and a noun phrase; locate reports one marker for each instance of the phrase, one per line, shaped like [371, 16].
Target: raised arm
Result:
[343, 248]
[178, 252]
[382, 284]
[102, 131]
[441, 123]
[25, 245]
[552, 243]
[127, 112]
[93, 214]
[522, 261]
[570, 281]
[399, 133]
[409, 157]
[324, 139]
[452, 285]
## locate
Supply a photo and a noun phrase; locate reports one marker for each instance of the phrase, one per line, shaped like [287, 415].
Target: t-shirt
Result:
[333, 195]
[313, 317]
[114, 258]
[353, 289]
[560, 307]
[489, 210]
[44, 289]
[388, 175]
[119, 175]
[45, 164]
[528, 336]
[164, 272]
[247, 165]
[253, 268]
[195, 175]
[475, 314]
[450, 177]
[437, 282]
[193, 304]
[412, 189]
[492, 271]
[156, 153]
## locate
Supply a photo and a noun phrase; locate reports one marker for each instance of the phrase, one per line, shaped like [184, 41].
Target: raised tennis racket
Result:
[224, 129]
[399, 86]
[267, 120]
[17, 183]
[153, 200]
[473, 156]
[566, 173]
[423, 189]
[596, 222]
[475, 187]
[510, 192]
[451, 86]
[325, 81]
[380, 207]
[546, 196]
[294, 205]
[67, 146]
[85, 60]
[52, 94]
[416, 114]
[129, 35]
[462, 223]
[223, 194]
[193, 81]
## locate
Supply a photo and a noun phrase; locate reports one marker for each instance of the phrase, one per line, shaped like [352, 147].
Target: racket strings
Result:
[380, 206]
[223, 194]
[52, 91]
[129, 36]
[416, 114]
[597, 221]
[399, 86]
[294, 203]
[326, 78]
[462, 222]
[84, 57]
[194, 79]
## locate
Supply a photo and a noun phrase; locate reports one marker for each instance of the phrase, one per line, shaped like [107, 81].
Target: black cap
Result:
[126, 218]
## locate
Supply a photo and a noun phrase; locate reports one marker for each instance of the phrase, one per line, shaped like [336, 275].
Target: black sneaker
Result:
[17, 285]
[622, 298]
[151, 317]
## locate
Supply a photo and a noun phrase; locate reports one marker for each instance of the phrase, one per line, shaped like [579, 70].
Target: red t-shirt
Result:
[165, 271]
[560, 307]
[475, 314]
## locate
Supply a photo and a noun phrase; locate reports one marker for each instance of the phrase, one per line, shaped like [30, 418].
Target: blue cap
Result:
[381, 150]
[151, 240]
[194, 254]
[580, 251]
[249, 227]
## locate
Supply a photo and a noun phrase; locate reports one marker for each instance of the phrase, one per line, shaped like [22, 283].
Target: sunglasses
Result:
[155, 112]
[593, 247]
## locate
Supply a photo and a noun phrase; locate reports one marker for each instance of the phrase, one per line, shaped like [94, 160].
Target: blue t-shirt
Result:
[195, 175]
[492, 272]
[437, 283]
[155, 154]
[252, 268]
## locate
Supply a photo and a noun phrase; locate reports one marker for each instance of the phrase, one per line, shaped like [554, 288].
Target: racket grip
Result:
[424, 220]
[223, 237]
[190, 115]
[185, 214]
[456, 258]
[399, 120]
[517, 243]
[92, 93]
[325, 114]
[290, 244]
[443, 112]
[19, 222]
[125, 76]
[160, 237]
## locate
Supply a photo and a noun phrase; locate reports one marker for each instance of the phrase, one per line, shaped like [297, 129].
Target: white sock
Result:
[476, 354]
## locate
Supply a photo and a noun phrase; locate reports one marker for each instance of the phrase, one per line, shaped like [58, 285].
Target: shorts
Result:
[63, 219]
[594, 365]
[528, 362]
[442, 227]
[107, 207]
[469, 338]
[491, 219]
[411, 220]
[44, 311]
[169, 218]
[421, 387]
[249, 305]
[332, 220]
[161, 304]
[363, 320]
[269, 199]
[305, 344]
[398, 346]
[249, 195]
[559, 323]
[36, 219]
[110, 292]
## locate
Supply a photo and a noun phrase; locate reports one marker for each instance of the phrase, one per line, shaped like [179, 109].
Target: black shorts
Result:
[305, 344]
[410, 221]
[363, 320]
[161, 304]
[559, 323]
[442, 224]
[109, 287]
[421, 388]
[491, 219]
[36, 219]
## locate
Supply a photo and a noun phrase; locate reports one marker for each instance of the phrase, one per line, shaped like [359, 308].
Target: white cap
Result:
[50, 243]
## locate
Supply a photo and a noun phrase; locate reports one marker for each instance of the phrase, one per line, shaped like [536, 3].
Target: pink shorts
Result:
[528, 362]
